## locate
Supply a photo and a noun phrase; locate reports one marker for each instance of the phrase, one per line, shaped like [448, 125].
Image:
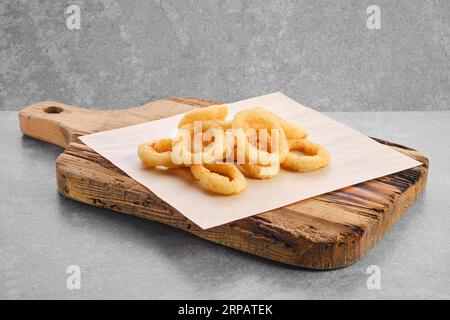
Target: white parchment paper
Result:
[355, 158]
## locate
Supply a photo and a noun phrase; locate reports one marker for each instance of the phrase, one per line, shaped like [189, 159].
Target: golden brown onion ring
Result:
[258, 118]
[184, 148]
[316, 156]
[220, 178]
[261, 172]
[214, 112]
[157, 153]
[292, 130]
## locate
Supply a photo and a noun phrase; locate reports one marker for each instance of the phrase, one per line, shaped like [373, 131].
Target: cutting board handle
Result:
[60, 124]
[53, 122]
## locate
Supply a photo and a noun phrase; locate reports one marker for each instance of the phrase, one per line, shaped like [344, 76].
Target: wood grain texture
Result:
[325, 232]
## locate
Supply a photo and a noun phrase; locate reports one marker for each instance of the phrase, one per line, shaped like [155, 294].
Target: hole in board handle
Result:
[53, 109]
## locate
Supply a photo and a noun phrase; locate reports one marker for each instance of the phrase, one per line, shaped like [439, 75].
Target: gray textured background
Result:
[318, 52]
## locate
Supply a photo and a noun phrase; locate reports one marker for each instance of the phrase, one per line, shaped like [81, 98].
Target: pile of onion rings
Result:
[256, 143]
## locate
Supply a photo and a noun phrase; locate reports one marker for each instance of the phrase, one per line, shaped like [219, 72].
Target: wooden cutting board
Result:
[325, 232]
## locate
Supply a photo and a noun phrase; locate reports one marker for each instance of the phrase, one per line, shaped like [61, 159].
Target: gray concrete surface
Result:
[42, 233]
[319, 52]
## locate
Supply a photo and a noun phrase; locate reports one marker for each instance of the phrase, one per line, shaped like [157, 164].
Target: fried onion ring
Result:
[258, 118]
[220, 153]
[261, 172]
[214, 112]
[316, 156]
[157, 153]
[292, 130]
[219, 178]
[186, 152]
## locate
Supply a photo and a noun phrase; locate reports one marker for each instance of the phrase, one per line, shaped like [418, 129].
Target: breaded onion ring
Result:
[224, 124]
[256, 143]
[214, 112]
[261, 172]
[258, 118]
[186, 153]
[157, 153]
[206, 125]
[316, 156]
[292, 130]
[219, 178]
